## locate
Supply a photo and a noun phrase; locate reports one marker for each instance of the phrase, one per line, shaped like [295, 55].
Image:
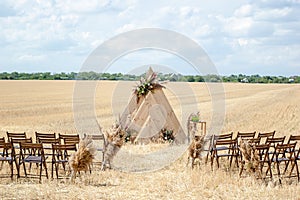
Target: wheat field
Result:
[46, 106]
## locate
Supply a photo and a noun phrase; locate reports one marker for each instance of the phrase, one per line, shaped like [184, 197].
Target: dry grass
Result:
[46, 106]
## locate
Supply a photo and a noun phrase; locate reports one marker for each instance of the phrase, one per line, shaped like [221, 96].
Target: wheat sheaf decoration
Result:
[250, 158]
[83, 158]
[147, 84]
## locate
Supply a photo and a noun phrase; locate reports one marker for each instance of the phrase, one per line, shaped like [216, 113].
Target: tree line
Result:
[163, 77]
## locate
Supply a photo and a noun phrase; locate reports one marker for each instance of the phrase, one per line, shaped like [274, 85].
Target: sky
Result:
[239, 36]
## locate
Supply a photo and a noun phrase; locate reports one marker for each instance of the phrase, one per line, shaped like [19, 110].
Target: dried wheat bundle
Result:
[195, 148]
[115, 139]
[83, 158]
[250, 157]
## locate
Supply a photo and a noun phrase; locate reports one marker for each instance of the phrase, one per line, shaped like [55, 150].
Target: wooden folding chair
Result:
[8, 155]
[283, 153]
[208, 148]
[212, 140]
[33, 153]
[264, 158]
[44, 136]
[61, 155]
[47, 145]
[295, 163]
[224, 148]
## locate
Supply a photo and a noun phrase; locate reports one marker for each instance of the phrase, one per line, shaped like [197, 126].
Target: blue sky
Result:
[248, 37]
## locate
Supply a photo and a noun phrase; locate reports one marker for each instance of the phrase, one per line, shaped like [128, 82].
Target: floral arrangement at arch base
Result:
[147, 84]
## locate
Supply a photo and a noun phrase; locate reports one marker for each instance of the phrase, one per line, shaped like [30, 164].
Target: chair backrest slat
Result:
[266, 134]
[21, 140]
[15, 135]
[44, 136]
[69, 139]
[294, 138]
[48, 140]
[275, 140]
[64, 147]
[255, 141]
[223, 136]
[246, 134]
[226, 142]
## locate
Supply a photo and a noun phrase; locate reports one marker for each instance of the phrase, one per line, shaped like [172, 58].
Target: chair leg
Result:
[25, 169]
[52, 169]
[56, 169]
[41, 169]
[11, 163]
[286, 166]
[230, 161]
[278, 170]
[297, 170]
[269, 168]
[46, 170]
[271, 173]
[212, 161]
[242, 169]
[217, 159]
[18, 169]
[237, 161]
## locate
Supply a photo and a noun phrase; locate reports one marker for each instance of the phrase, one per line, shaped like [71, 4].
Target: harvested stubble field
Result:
[46, 106]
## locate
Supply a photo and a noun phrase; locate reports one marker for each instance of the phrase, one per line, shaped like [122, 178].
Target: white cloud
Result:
[244, 11]
[70, 6]
[238, 26]
[273, 14]
[125, 28]
[30, 57]
[232, 32]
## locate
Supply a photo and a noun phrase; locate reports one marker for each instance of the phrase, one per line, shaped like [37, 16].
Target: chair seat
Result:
[221, 148]
[6, 159]
[34, 159]
[99, 149]
[281, 159]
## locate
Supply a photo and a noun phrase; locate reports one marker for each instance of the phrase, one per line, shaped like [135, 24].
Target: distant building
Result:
[291, 80]
[244, 80]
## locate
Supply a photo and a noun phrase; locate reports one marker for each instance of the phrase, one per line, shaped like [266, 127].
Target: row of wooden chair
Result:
[63, 138]
[19, 149]
[271, 150]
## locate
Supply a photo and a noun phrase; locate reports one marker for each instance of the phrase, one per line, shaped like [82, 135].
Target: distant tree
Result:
[190, 78]
[199, 78]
